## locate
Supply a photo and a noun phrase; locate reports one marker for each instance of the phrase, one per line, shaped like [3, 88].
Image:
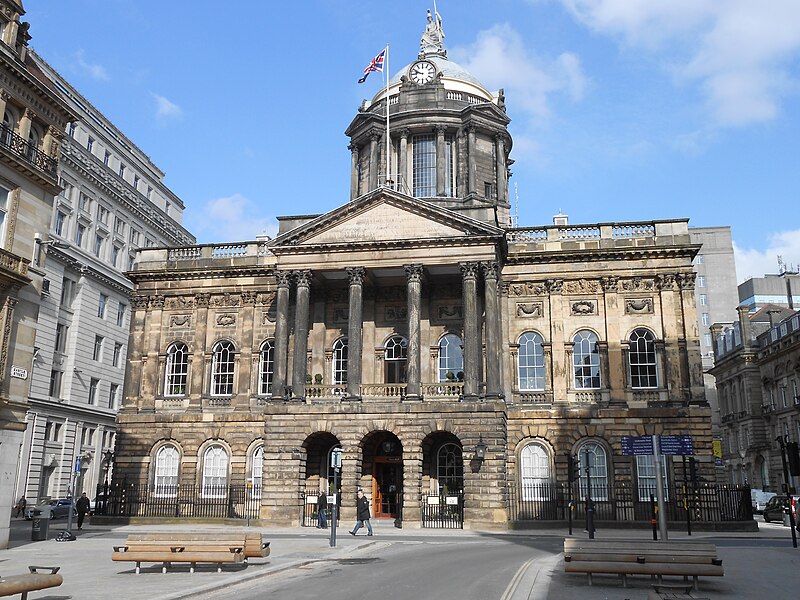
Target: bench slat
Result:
[572, 544]
[168, 557]
[29, 582]
[634, 557]
[643, 569]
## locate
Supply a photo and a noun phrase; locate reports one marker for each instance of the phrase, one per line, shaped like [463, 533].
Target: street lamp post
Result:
[787, 486]
[108, 459]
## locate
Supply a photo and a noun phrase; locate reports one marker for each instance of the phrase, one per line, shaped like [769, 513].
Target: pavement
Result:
[757, 565]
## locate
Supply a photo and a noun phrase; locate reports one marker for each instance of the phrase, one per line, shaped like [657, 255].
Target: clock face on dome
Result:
[422, 72]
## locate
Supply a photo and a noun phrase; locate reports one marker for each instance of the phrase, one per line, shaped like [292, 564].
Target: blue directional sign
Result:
[633, 445]
[676, 444]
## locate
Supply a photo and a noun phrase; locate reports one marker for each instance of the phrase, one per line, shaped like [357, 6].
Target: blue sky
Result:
[621, 109]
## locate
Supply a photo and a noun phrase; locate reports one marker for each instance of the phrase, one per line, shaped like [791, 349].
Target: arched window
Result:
[642, 359]
[222, 364]
[266, 367]
[593, 455]
[215, 472]
[530, 361]
[646, 474]
[165, 474]
[586, 360]
[535, 472]
[7, 129]
[395, 358]
[450, 469]
[451, 358]
[256, 470]
[177, 369]
[340, 361]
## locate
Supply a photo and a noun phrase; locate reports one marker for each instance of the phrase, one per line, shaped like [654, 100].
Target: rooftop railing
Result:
[612, 231]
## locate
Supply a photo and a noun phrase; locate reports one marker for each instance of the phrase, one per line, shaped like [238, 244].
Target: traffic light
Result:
[570, 468]
[793, 455]
[693, 469]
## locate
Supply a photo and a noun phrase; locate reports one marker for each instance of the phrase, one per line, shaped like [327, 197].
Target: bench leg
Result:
[624, 579]
[590, 578]
[696, 584]
[138, 566]
[24, 596]
[219, 567]
[191, 567]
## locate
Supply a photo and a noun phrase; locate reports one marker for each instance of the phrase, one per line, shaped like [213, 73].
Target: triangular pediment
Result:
[385, 217]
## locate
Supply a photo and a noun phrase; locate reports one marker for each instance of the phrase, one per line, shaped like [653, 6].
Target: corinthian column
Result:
[471, 159]
[491, 271]
[502, 170]
[279, 377]
[300, 364]
[441, 162]
[373, 161]
[414, 295]
[469, 272]
[354, 327]
[403, 185]
[353, 171]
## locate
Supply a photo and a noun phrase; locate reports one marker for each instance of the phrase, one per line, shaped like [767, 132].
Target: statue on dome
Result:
[433, 36]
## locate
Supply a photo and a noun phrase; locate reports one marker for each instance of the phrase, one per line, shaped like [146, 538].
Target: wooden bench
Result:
[177, 550]
[253, 544]
[637, 557]
[30, 582]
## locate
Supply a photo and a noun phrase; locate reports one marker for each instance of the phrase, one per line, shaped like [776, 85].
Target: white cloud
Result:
[166, 109]
[740, 52]
[94, 70]
[499, 58]
[751, 262]
[229, 219]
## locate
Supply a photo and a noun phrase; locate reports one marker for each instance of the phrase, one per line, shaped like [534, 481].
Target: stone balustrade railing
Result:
[599, 231]
[12, 263]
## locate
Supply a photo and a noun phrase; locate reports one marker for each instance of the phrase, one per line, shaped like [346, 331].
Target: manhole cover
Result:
[356, 561]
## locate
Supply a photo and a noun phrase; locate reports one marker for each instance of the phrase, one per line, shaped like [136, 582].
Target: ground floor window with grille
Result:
[450, 469]
[593, 455]
[256, 470]
[166, 472]
[535, 471]
[215, 472]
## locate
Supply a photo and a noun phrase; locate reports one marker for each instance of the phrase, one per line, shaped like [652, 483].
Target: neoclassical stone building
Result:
[446, 352]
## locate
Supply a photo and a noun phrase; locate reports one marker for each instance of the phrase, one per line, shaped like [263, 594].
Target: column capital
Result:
[440, 129]
[491, 270]
[413, 272]
[5, 96]
[554, 285]
[356, 275]
[469, 270]
[284, 278]
[374, 136]
[353, 148]
[303, 278]
[470, 127]
[404, 133]
[29, 114]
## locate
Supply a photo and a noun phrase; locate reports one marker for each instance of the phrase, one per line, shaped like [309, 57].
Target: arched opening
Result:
[442, 464]
[319, 475]
[382, 473]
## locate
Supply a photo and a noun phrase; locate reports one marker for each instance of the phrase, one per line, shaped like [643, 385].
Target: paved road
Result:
[462, 569]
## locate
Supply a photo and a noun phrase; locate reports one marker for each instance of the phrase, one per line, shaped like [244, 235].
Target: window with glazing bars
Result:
[222, 364]
[165, 478]
[340, 362]
[642, 359]
[586, 360]
[424, 166]
[215, 472]
[177, 368]
[530, 358]
[266, 367]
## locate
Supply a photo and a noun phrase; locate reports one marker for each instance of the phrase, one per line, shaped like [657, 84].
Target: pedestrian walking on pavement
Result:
[22, 504]
[322, 510]
[362, 514]
[82, 506]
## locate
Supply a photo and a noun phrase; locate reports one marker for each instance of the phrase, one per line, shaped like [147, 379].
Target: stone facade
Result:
[413, 327]
[34, 117]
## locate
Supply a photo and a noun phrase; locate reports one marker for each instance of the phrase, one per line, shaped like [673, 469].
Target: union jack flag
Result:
[376, 64]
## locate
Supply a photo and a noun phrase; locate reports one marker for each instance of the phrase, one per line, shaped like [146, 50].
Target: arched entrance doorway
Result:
[382, 473]
[319, 474]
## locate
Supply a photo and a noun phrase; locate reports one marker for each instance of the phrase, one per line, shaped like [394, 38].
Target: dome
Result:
[448, 68]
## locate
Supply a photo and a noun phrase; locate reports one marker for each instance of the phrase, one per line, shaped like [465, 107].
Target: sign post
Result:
[336, 464]
[662, 514]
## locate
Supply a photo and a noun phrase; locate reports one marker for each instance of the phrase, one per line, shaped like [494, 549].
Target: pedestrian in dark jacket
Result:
[362, 514]
[82, 506]
[322, 511]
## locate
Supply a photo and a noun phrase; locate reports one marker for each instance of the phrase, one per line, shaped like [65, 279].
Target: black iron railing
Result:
[234, 501]
[309, 516]
[443, 511]
[625, 502]
[27, 151]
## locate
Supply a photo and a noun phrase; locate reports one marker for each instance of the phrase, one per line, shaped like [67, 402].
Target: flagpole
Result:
[388, 140]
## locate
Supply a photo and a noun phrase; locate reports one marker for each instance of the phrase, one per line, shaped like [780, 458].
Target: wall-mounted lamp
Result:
[480, 449]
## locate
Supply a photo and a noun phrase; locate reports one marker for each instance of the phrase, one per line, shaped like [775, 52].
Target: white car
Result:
[759, 499]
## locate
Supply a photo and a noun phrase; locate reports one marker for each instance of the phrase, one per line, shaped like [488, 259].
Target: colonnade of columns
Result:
[470, 273]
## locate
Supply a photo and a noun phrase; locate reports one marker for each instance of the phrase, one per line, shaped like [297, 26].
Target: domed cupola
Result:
[449, 142]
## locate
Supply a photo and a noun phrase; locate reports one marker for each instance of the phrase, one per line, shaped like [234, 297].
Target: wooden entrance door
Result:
[387, 484]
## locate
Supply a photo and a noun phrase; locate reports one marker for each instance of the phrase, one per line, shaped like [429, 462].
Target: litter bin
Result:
[41, 523]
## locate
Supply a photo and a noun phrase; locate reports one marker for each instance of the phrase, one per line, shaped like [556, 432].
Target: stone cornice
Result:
[600, 254]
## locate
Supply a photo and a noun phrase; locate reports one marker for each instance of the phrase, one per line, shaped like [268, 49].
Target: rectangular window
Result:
[707, 339]
[488, 190]
[133, 236]
[706, 319]
[3, 212]
[93, 385]
[117, 358]
[121, 170]
[68, 287]
[136, 182]
[131, 260]
[121, 310]
[90, 143]
[149, 193]
[59, 225]
[84, 202]
[56, 432]
[148, 242]
[71, 130]
[61, 337]
[703, 300]
[699, 260]
[784, 400]
[113, 399]
[98, 244]
[115, 250]
[80, 232]
[119, 226]
[102, 214]
[55, 383]
[106, 157]
[701, 281]
[424, 166]
[646, 473]
[101, 306]
[97, 354]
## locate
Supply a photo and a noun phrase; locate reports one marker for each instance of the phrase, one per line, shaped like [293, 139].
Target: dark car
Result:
[776, 507]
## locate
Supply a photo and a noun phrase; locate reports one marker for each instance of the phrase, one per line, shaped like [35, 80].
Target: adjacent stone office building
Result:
[34, 117]
[415, 328]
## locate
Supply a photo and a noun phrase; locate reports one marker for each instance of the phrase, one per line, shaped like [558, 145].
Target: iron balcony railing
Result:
[27, 151]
